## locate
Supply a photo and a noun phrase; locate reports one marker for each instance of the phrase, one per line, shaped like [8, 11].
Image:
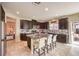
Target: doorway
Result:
[75, 33]
[10, 30]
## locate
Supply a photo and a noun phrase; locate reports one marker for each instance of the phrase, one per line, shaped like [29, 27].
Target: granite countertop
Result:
[36, 35]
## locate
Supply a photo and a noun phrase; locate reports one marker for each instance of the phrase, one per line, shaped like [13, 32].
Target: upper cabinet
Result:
[58, 24]
[34, 22]
[43, 25]
[25, 24]
[53, 24]
[2, 13]
[63, 23]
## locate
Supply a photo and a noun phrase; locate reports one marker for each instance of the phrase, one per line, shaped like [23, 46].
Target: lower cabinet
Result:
[61, 38]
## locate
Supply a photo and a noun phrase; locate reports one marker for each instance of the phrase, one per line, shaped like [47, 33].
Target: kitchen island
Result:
[34, 40]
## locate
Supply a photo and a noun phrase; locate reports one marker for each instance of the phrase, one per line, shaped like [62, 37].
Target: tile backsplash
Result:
[45, 31]
[59, 31]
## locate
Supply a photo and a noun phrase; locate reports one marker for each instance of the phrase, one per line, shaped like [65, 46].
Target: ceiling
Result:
[30, 11]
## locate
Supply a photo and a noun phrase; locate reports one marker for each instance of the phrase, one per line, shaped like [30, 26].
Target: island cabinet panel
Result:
[29, 42]
[23, 37]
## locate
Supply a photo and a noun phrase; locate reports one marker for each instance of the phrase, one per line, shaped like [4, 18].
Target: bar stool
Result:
[40, 49]
[54, 41]
[48, 42]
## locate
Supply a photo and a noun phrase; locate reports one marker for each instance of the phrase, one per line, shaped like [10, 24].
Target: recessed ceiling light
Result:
[17, 12]
[46, 9]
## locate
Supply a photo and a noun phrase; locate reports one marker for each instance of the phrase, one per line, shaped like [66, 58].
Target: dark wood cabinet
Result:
[23, 37]
[63, 23]
[2, 13]
[25, 24]
[43, 25]
[34, 22]
[61, 38]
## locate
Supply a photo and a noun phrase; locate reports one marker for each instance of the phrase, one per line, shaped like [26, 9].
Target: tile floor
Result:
[17, 48]
[21, 49]
[64, 50]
